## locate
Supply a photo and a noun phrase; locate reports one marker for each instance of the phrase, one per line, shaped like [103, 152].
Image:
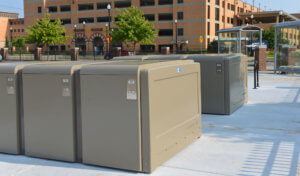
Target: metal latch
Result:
[10, 85]
[219, 68]
[66, 89]
[131, 89]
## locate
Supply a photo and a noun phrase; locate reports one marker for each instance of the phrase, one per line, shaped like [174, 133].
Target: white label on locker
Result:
[131, 90]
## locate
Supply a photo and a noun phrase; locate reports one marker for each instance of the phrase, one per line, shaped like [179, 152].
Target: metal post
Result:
[254, 71]
[75, 35]
[219, 43]
[275, 49]
[109, 35]
[84, 52]
[176, 36]
[106, 39]
[260, 37]
[240, 40]
[11, 47]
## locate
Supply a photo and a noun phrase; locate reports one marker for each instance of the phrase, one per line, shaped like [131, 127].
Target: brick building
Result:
[4, 25]
[195, 18]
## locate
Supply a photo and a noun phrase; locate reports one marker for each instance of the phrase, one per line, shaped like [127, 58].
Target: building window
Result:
[180, 15]
[149, 17]
[165, 16]
[122, 4]
[179, 1]
[18, 30]
[208, 28]
[52, 9]
[15, 30]
[65, 8]
[87, 20]
[216, 29]
[165, 32]
[223, 4]
[217, 2]
[65, 21]
[85, 6]
[232, 7]
[217, 14]
[39, 9]
[102, 5]
[232, 20]
[22, 30]
[208, 12]
[180, 31]
[103, 19]
[228, 19]
[228, 6]
[165, 2]
[147, 3]
[223, 19]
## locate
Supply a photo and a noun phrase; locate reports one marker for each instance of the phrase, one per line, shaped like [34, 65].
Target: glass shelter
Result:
[242, 39]
[287, 47]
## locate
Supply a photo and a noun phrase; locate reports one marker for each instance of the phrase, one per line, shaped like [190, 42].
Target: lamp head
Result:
[175, 20]
[252, 16]
[280, 13]
[83, 22]
[108, 7]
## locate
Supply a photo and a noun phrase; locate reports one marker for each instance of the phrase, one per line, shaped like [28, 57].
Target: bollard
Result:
[74, 54]
[38, 54]
[4, 52]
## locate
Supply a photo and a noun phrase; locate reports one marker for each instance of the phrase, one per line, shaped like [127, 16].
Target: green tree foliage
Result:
[6, 42]
[46, 33]
[213, 47]
[269, 35]
[19, 43]
[132, 27]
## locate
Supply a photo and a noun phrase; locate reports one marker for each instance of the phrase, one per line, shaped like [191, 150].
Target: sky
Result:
[290, 6]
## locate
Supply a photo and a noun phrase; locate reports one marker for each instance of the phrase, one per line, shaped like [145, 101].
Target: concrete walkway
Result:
[261, 138]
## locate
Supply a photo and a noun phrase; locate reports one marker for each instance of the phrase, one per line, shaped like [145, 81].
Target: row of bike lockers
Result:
[131, 115]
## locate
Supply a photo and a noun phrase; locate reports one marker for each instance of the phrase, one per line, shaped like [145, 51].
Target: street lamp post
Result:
[109, 35]
[106, 25]
[84, 49]
[11, 44]
[176, 35]
[75, 26]
[280, 16]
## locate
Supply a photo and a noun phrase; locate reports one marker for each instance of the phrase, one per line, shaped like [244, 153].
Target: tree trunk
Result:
[134, 43]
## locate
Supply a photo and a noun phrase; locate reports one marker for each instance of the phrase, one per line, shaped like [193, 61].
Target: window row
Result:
[103, 5]
[217, 28]
[16, 22]
[217, 16]
[149, 17]
[169, 32]
[18, 30]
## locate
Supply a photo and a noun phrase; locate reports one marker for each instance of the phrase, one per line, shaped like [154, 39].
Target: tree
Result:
[6, 42]
[46, 32]
[19, 43]
[133, 27]
[213, 47]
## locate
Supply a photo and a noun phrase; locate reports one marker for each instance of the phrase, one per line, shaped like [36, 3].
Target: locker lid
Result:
[151, 57]
[66, 68]
[126, 67]
[213, 57]
[14, 67]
